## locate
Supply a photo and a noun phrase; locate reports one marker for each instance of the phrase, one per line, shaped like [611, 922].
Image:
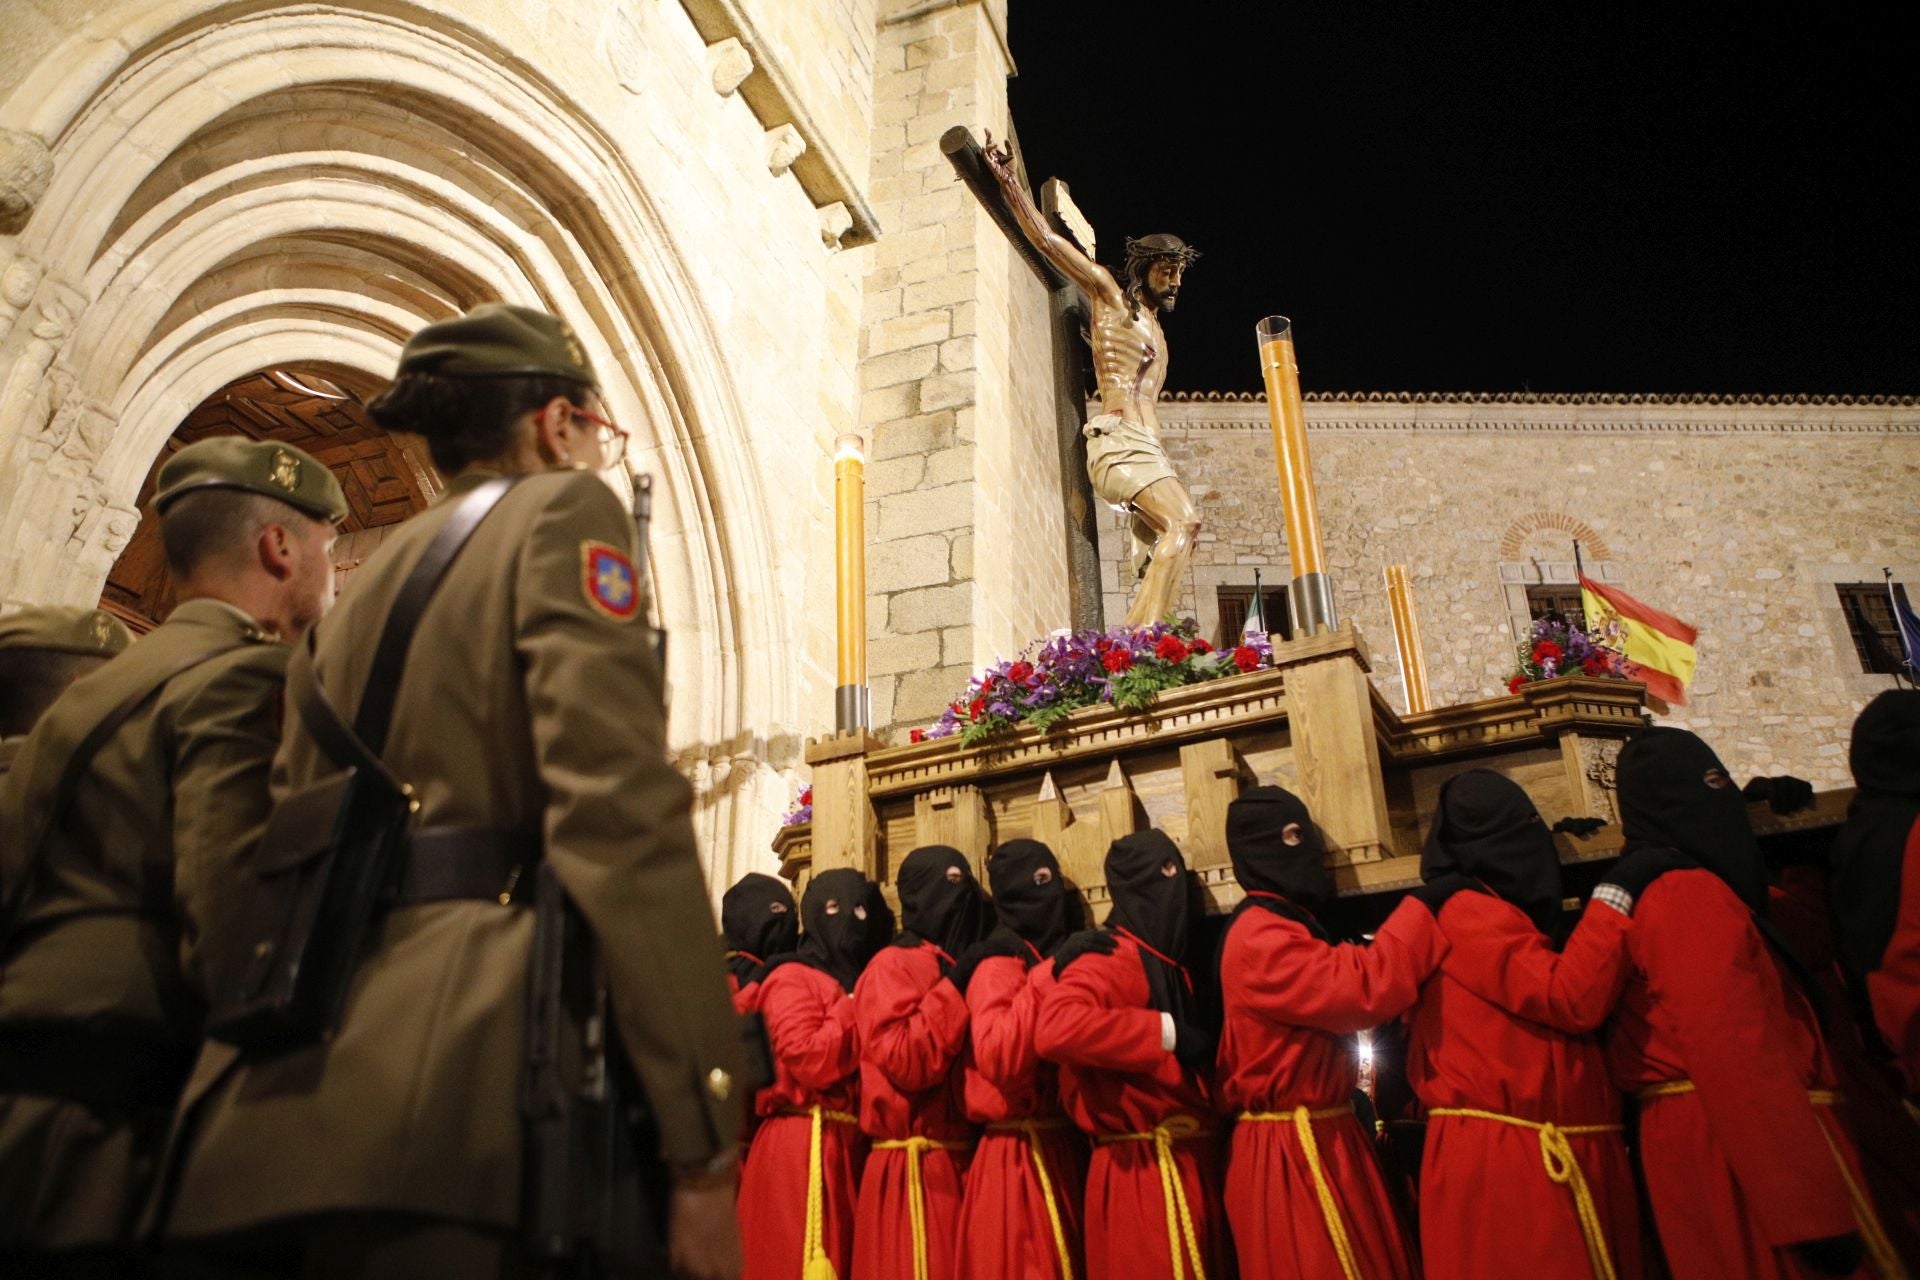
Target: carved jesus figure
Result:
[1129, 468]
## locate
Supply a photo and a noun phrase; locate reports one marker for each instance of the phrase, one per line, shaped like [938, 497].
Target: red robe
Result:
[1506, 1027]
[1743, 1165]
[913, 1025]
[1098, 1022]
[1293, 1006]
[1006, 1229]
[1894, 988]
[816, 1063]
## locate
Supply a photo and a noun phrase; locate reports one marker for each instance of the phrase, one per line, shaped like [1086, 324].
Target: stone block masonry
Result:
[1738, 517]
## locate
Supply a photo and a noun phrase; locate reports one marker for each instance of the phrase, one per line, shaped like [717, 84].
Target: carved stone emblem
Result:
[1599, 763]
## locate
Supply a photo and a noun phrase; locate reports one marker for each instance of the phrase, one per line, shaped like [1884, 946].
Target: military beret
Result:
[93, 632]
[498, 340]
[264, 467]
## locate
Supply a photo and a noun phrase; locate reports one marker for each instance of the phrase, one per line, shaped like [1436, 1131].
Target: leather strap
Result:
[75, 768]
[361, 744]
[487, 863]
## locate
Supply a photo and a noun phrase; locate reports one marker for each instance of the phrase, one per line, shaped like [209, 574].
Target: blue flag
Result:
[1909, 627]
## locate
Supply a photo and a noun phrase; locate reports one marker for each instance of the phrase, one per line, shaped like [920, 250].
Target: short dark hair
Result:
[33, 679]
[466, 420]
[208, 525]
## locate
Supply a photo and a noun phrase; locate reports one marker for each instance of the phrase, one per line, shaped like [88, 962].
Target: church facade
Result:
[228, 218]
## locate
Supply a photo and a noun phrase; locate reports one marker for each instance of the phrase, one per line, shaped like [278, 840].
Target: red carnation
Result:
[1246, 657]
[1201, 646]
[1102, 645]
[1546, 651]
[1117, 660]
[1594, 666]
[1513, 684]
[806, 795]
[917, 735]
[1020, 672]
[976, 708]
[1172, 648]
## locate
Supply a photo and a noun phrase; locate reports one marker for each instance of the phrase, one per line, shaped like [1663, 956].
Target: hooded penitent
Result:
[1157, 908]
[937, 906]
[759, 921]
[1484, 826]
[1675, 794]
[1289, 879]
[1029, 897]
[836, 915]
[1869, 851]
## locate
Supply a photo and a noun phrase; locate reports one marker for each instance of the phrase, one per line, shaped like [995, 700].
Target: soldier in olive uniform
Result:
[531, 708]
[42, 651]
[138, 791]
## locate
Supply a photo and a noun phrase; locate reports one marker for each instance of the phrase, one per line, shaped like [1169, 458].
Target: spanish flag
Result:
[1657, 646]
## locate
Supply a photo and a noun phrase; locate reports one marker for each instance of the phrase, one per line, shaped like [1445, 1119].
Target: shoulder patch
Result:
[608, 581]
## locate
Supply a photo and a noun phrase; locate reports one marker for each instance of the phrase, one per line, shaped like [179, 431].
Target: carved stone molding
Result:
[784, 145]
[835, 222]
[1599, 764]
[26, 167]
[729, 64]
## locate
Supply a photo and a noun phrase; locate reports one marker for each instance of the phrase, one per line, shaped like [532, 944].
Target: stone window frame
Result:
[1819, 581]
[1517, 575]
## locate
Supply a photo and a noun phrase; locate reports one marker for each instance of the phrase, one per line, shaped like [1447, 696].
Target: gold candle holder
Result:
[850, 582]
[1310, 598]
[1406, 635]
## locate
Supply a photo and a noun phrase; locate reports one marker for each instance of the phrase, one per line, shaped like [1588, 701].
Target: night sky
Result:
[1549, 199]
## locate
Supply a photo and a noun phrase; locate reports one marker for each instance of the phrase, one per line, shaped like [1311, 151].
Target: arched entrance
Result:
[386, 477]
[239, 189]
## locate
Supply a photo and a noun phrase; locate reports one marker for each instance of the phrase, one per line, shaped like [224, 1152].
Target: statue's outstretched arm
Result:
[1095, 279]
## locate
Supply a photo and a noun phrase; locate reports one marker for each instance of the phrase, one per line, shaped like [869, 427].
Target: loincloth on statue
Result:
[1124, 458]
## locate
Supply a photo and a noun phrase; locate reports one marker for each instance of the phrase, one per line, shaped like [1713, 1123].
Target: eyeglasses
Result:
[613, 439]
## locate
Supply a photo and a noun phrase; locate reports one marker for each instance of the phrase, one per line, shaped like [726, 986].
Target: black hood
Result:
[1485, 826]
[947, 911]
[1264, 863]
[1870, 850]
[758, 920]
[838, 939]
[1675, 794]
[1028, 904]
[1159, 910]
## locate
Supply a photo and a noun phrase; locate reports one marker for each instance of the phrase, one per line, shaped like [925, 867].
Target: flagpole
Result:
[1579, 570]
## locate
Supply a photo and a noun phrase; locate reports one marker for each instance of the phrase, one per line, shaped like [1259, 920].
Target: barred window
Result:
[1557, 597]
[1237, 602]
[1869, 614]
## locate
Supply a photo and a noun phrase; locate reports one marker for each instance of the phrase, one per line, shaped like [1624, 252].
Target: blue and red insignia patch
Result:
[608, 581]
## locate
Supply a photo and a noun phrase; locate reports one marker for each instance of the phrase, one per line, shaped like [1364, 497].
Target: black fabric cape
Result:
[950, 913]
[836, 940]
[1159, 910]
[753, 929]
[1869, 853]
[1289, 880]
[1028, 907]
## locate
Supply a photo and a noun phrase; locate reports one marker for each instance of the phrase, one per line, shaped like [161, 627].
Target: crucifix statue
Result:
[1129, 468]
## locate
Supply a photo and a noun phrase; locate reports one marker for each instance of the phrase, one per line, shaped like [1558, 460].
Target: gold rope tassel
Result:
[1173, 1192]
[1033, 1129]
[1880, 1249]
[1556, 1153]
[814, 1262]
[1302, 1121]
[915, 1147]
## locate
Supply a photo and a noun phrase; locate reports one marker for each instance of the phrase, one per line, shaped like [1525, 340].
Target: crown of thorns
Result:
[1149, 248]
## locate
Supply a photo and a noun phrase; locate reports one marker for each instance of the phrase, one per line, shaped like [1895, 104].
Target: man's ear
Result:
[277, 552]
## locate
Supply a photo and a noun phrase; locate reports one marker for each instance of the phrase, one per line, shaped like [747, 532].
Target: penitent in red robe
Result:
[1007, 1230]
[1506, 1026]
[817, 1063]
[913, 1026]
[1744, 1164]
[1293, 1005]
[1099, 1024]
[1894, 988]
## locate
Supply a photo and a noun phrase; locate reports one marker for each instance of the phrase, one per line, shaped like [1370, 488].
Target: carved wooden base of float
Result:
[1312, 723]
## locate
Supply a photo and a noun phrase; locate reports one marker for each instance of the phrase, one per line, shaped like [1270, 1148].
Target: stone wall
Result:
[1738, 517]
[956, 382]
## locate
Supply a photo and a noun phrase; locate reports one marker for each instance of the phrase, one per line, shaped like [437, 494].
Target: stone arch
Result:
[1513, 541]
[269, 184]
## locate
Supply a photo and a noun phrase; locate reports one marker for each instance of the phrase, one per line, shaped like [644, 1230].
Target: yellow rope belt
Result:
[1033, 1129]
[1556, 1153]
[814, 1262]
[1885, 1261]
[1173, 1193]
[916, 1147]
[1302, 1121]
